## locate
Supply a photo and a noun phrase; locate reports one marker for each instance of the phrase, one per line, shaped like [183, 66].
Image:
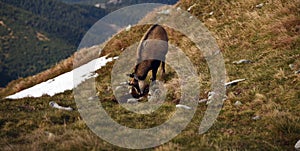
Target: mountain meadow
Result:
[260, 113]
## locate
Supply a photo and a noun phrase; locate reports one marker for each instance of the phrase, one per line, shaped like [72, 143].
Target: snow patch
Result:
[65, 81]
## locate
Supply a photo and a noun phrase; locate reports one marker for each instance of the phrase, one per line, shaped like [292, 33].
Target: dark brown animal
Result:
[151, 52]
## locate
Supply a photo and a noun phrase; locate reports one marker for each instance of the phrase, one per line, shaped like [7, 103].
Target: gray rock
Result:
[132, 100]
[234, 82]
[183, 106]
[124, 83]
[128, 28]
[292, 66]
[191, 7]
[238, 103]
[55, 105]
[297, 145]
[243, 61]
[92, 98]
[165, 12]
[260, 5]
[50, 135]
[210, 96]
[257, 117]
[203, 100]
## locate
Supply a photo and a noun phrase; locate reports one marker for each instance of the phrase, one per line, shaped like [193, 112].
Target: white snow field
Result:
[65, 81]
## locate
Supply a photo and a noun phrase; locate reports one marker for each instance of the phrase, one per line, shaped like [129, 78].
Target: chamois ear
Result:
[131, 75]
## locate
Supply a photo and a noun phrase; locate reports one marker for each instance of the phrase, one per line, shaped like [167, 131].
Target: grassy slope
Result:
[268, 36]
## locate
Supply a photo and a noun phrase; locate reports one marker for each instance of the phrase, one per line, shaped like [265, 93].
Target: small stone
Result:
[132, 101]
[259, 5]
[190, 8]
[50, 135]
[297, 145]
[128, 28]
[238, 103]
[183, 106]
[242, 61]
[292, 66]
[124, 83]
[165, 12]
[55, 105]
[257, 117]
[203, 100]
[234, 82]
[119, 88]
[92, 98]
[211, 94]
[297, 72]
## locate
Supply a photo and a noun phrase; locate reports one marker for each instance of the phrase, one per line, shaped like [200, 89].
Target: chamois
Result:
[151, 52]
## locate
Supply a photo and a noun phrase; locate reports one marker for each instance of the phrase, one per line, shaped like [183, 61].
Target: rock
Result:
[92, 98]
[242, 61]
[292, 66]
[55, 105]
[183, 106]
[210, 96]
[191, 7]
[297, 72]
[259, 5]
[297, 145]
[257, 117]
[238, 103]
[211, 13]
[128, 28]
[165, 12]
[132, 100]
[234, 82]
[50, 135]
[118, 88]
[124, 83]
[203, 100]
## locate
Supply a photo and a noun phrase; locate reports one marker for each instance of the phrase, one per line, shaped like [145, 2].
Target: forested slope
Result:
[37, 34]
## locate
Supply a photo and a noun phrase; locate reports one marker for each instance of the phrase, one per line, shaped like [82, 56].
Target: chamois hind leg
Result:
[163, 70]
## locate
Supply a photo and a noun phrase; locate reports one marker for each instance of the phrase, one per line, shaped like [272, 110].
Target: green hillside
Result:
[36, 35]
[267, 116]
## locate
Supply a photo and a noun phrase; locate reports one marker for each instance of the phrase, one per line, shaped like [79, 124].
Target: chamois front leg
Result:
[154, 72]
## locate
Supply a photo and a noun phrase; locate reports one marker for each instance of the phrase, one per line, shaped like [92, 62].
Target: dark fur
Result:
[151, 52]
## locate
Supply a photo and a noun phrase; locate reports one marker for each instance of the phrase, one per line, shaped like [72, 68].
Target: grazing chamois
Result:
[151, 52]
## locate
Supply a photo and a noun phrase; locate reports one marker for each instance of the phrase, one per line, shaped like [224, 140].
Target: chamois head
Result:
[139, 88]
